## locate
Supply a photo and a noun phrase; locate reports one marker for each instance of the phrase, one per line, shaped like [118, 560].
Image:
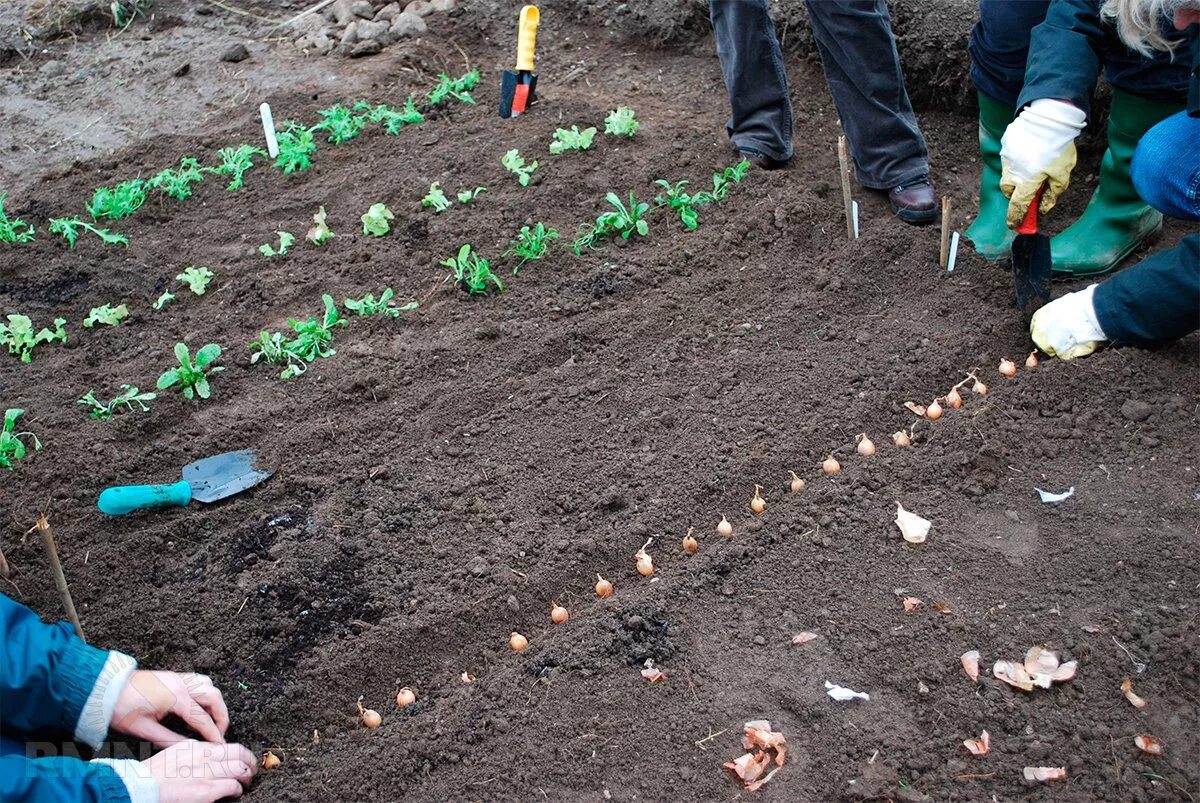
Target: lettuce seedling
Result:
[727, 177]
[69, 228]
[296, 147]
[684, 204]
[319, 233]
[313, 337]
[177, 183]
[466, 196]
[13, 230]
[457, 88]
[234, 163]
[367, 305]
[472, 273]
[286, 238]
[621, 123]
[117, 202]
[106, 314]
[192, 376]
[573, 140]
[273, 348]
[340, 123]
[197, 279]
[127, 398]
[436, 198]
[377, 220]
[625, 221]
[391, 119]
[12, 448]
[530, 244]
[19, 337]
[166, 298]
[514, 163]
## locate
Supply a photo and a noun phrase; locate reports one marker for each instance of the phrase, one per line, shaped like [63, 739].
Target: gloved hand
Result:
[1067, 327]
[1038, 148]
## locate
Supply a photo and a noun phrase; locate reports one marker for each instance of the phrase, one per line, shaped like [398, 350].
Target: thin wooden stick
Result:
[844, 173]
[60, 580]
[944, 257]
[5, 570]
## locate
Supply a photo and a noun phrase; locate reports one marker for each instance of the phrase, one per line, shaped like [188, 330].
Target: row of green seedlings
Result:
[297, 145]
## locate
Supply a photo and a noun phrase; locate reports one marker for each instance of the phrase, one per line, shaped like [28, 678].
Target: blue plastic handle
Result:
[125, 499]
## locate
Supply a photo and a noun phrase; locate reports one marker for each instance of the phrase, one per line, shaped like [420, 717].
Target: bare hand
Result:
[201, 772]
[150, 696]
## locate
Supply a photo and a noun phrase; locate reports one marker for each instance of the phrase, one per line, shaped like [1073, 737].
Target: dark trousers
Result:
[862, 69]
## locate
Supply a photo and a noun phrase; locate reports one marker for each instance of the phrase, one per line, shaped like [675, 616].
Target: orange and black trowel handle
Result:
[1030, 224]
[527, 37]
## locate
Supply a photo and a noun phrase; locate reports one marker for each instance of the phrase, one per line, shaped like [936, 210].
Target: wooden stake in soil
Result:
[944, 257]
[60, 580]
[844, 174]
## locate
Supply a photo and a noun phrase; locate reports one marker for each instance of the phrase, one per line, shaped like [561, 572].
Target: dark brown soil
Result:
[447, 475]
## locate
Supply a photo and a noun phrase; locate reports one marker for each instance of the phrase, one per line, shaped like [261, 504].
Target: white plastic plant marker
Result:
[843, 695]
[854, 217]
[1052, 498]
[953, 253]
[269, 130]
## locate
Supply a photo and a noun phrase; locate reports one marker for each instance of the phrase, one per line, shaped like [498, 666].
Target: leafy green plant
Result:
[296, 147]
[514, 163]
[468, 195]
[620, 122]
[19, 337]
[177, 182]
[106, 314]
[234, 163]
[531, 244]
[436, 198]
[166, 298]
[457, 88]
[726, 178]
[127, 398]
[377, 220]
[119, 201]
[273, 348]
[319, 233]
[286, 238]
[471, 272]
[391, 119]
[70, 227]
[13, 230]
[192, 376]
[313, 339]
[340, 123]
[12, 448]
[197, 279]
[623, 220]
[367, 305]
[572, 140]
[684, 204]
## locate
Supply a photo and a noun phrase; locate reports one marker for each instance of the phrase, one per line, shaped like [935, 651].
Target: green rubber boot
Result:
[1116, 220]
[989, 233]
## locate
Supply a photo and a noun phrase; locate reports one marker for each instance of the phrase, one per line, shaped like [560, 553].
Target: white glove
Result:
[1038, 148]
[1067, 327]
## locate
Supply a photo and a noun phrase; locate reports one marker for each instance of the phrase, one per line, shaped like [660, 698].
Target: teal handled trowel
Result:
[207, 480]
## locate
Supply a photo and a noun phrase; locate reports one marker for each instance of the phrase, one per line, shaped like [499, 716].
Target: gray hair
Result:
[1139, 22]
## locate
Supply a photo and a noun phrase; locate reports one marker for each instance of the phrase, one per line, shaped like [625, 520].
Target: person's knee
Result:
[1158, 173]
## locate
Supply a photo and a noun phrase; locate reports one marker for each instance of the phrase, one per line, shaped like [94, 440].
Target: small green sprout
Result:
[12, 448]
[621, 123]
[192, 376]
[19, 337]
[127, 398]
[296, 147]
[13, 230]
[472, 273]
[340, 123]
[391, 119]
[514, 163]
[436, 198]
[377, 220]
[367, 305]
[726, 178]
[234, 163]
[466, 196]
[177, 183]
[286, 238]
[457, 88]
[106, 314]
[70, 227]
[166, 298]
[572, 140]
[530, 244]
[272, 348]
[197, 279]
[119, 201]
[625, 221]
[684, 204]
[313, 337]
[319, 233]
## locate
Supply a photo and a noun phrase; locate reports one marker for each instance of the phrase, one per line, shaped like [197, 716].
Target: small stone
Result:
[366, 31]
[512, 603]
[421, 8]
[760, 640]
[388, 13]
[1136, 410]
[408, 25]
[235, 53]
[350, 35]
[183, 69]
[51, 69]
[363, 9]
[687, 773]
[444, 6]
[343, 11]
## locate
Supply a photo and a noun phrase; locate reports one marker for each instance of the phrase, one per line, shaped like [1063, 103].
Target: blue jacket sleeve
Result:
[1065, 53]
[1155, 301]
[58, 780]
[46, 673]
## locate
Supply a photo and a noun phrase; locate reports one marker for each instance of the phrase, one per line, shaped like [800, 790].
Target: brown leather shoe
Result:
[760, 159]
[915, 201]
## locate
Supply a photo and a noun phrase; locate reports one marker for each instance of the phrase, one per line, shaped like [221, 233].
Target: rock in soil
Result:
[388, 12]
[1136, 410]
[235, 53]
[408, 24]
[421, 8]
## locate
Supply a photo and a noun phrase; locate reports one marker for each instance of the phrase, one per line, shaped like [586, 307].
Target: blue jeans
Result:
[1166, 167]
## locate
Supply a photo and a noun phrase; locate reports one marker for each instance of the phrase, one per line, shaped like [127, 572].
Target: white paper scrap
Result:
[1050, 498]
[842, 694]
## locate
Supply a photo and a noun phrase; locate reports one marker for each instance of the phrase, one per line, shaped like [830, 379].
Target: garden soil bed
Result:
[448, 474]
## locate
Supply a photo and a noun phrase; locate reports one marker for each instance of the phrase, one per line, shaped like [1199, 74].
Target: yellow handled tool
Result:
[517, 86]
